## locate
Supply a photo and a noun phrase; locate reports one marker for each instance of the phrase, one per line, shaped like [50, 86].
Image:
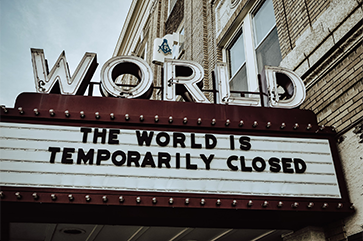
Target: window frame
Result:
[234, 39]
[247, 26]
[180, 50]
[170, 8]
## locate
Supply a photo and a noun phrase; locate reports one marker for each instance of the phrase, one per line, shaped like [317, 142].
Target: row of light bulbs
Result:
[170, 119]
[186, 201]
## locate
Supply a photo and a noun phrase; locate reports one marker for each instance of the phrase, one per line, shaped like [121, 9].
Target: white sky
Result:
[76, 26]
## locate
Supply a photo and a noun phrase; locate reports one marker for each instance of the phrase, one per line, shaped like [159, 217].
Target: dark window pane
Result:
[236, 54]
[268, 53]
[239, 82]
[172, 4]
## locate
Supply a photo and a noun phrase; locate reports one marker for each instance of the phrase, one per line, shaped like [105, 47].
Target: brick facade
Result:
[322, 41]
[337, 98]
[294, 17]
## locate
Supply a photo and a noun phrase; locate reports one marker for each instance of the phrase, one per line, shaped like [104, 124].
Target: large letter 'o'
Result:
[120, 65]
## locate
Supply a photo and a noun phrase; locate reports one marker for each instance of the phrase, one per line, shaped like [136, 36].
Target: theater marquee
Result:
[252, 152]
[115, 151]
[164, 161]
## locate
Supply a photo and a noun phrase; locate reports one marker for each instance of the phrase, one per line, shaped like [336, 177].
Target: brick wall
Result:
[199, 41]
[335, 94]
[293, 17]
[337, 98]
[351, 152]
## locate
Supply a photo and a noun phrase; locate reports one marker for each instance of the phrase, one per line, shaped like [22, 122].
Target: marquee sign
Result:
[58, 146]
[162, 152]
[164, 161]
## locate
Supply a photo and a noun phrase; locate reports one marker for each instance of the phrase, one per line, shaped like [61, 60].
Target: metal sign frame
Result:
[54, 109]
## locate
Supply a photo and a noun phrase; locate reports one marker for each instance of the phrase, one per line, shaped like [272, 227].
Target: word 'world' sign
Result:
[177, 73]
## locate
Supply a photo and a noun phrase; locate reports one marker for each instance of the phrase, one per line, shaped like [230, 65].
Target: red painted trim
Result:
[164, 109]
[43, 195]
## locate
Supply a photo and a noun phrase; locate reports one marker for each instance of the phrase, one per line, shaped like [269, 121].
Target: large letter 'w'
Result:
[59, 80]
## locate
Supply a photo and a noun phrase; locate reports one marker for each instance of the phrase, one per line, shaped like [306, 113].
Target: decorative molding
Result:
[234, 3]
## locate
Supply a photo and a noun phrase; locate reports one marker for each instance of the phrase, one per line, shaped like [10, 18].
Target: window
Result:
[267, 42]
[237, 64]
[144, 52]
[178, 48]
[181, 40]
[253, 45]
[171, 5]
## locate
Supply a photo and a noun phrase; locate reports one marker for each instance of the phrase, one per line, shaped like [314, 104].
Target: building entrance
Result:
[100, 232]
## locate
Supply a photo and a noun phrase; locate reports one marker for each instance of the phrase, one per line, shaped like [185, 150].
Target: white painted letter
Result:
[120, 65]
[286, 90]
[59, 79]
[222, 85]
[224, 92]
[190, 74]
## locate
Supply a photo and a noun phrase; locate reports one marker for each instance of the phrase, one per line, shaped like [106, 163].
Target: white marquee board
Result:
[25, 160]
